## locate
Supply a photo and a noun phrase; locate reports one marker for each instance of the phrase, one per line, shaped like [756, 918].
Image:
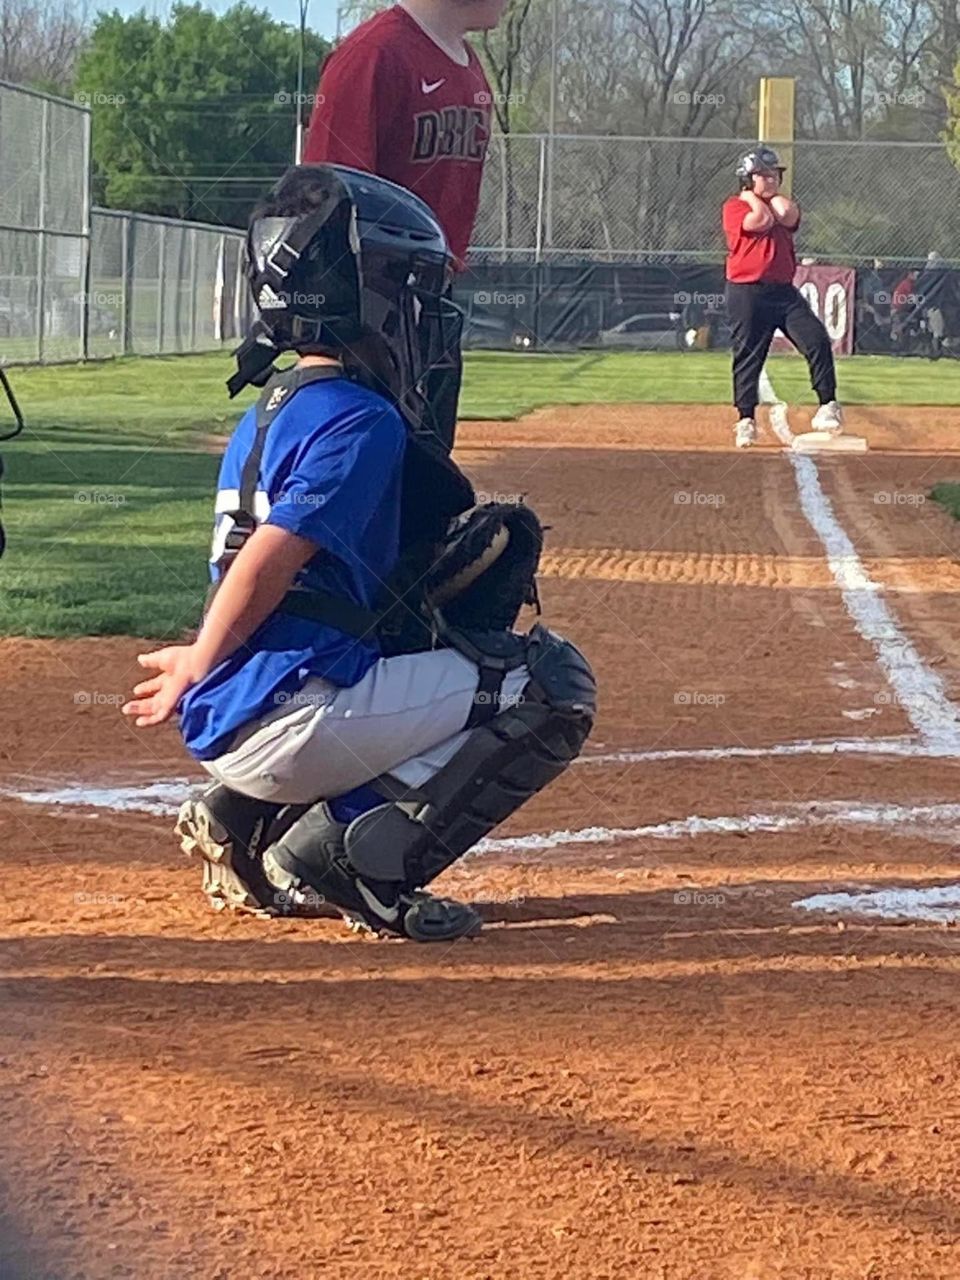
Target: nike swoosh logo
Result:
[431, 88]
[388, 914]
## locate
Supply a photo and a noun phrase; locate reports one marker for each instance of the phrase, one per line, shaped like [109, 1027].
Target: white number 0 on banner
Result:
[834, 312]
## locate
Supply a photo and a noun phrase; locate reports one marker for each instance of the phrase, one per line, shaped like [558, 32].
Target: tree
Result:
[195, 117]
[952, 132]
[40, 41]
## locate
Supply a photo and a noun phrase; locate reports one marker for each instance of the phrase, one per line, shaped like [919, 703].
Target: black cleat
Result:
[378, 906]
[228, 830]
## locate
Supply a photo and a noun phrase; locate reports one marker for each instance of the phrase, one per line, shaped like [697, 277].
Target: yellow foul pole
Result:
[775, 120]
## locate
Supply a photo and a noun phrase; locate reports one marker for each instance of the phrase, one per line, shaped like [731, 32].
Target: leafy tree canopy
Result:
[195, 116]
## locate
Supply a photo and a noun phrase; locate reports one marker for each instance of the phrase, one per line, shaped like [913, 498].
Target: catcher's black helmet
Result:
[346, 263]
[762, 159]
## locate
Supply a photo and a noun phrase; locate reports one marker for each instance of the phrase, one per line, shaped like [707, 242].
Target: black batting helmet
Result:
[762, 159]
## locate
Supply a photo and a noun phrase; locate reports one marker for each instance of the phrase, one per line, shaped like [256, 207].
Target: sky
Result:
[321, 14]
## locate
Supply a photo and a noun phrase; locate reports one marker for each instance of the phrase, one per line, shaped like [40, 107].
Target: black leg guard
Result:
[499, 767]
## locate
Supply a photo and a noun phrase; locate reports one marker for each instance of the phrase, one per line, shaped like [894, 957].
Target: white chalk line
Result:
[163, 796]
[163, 799]
[891, 746]
[919, 690]
[938, 821]
[935, 904]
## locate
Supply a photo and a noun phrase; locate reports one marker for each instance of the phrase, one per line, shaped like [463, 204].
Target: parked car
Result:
[645, 331]
[495, 333]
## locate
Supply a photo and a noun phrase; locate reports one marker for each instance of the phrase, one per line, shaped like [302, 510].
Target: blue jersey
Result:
[331, 471]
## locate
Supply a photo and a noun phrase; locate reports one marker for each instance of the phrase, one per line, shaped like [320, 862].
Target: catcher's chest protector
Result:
[434, 490]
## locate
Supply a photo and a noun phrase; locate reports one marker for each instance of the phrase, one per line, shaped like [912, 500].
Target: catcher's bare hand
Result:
[155, 700]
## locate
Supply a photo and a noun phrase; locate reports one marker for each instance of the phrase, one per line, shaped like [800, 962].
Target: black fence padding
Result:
[563, 306]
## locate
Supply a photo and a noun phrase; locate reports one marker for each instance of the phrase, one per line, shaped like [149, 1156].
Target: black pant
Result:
[755, 311]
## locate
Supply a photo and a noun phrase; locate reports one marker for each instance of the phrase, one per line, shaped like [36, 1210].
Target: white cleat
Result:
[829, 417]
[746, 433]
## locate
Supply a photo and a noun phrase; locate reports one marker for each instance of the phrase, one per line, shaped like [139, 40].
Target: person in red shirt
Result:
[903, 307]
[760, 223]
[405, 97]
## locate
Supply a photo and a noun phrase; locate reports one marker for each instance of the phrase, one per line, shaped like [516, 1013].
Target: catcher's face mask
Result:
[361, 273]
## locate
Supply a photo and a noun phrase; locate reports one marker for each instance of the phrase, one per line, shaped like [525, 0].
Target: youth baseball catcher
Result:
[760, 224]
[357, 690]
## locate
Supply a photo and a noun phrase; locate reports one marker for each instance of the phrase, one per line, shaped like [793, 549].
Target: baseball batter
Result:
[404, 96]
[357, 691]
[760, 224]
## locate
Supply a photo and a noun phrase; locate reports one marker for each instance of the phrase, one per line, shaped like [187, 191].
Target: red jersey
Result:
[393, 103]
[903, 295]
[757, 255]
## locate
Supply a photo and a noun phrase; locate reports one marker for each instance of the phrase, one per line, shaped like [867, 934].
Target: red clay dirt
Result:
[651, 1066]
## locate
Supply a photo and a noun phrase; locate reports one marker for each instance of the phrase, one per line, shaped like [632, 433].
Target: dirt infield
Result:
[653, 1065]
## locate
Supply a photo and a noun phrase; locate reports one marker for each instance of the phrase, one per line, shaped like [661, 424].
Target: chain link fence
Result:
[658, 199]
[159, 286]
[44, 224]
[78, 282]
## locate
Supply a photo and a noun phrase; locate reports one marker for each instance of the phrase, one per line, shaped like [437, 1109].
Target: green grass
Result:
[108, 493]
[507, 385]
[948, 495]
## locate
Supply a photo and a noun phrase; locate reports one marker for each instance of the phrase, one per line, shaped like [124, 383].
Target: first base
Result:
[826, 442]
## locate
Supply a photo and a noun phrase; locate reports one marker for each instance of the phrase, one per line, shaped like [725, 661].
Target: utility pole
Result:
[552, 124]
[298, 144]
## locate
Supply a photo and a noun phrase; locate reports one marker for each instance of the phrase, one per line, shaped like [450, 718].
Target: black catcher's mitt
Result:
[488, 566]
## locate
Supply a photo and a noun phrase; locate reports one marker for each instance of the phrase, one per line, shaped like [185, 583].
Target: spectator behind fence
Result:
[903, 310]
[873, 319]
[933, 290]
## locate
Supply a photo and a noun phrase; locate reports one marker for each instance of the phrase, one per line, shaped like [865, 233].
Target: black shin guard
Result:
[502, 763]
[419, 832]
